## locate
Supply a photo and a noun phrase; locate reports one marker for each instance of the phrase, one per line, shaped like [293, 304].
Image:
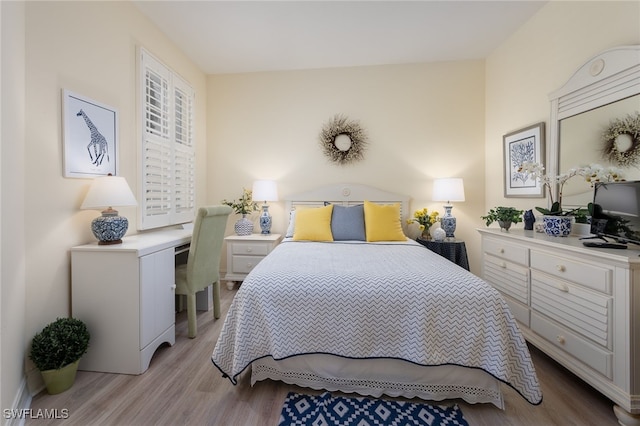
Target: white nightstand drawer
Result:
[586, 274]
[251, 248]
[244, 252]
[244, 264]
[505, 250]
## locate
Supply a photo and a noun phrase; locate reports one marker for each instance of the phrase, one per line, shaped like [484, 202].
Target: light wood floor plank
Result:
[182, 387]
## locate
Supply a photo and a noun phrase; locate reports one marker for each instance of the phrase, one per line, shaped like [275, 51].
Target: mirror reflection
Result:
[582, 142]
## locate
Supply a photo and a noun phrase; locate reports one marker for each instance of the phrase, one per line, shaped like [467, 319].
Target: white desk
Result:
[125, 293]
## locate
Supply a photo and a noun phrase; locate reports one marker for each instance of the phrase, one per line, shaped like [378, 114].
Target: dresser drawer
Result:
[584, 311]
[583, 273]
[244, 264]
[256, 249]
[595, 357]
[505, 250]
[507, 277]
[519, 311]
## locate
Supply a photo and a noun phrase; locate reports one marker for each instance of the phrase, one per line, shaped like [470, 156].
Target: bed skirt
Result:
[375, 377]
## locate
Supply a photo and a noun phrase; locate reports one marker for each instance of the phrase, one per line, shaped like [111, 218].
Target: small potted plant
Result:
[505, 216]
[244, 206]
[56, 352]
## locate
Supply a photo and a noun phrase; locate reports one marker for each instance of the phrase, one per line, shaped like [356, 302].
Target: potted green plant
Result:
[56, 352]
[244, 206]
[505, 216]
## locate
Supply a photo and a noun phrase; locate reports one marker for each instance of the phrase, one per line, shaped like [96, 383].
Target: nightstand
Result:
[244, 252]
[455, 251]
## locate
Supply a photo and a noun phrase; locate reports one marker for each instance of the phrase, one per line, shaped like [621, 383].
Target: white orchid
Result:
[592, 173]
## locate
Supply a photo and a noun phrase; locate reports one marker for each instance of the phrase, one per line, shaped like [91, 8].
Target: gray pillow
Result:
[347, 223]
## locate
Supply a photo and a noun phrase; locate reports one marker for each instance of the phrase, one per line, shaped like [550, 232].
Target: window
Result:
[167, 184]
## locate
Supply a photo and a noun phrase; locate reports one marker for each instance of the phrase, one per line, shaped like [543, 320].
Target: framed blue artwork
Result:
[519, 146]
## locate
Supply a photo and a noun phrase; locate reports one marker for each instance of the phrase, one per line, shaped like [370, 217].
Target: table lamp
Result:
[448, 189]
[107, 192]
[265, 190]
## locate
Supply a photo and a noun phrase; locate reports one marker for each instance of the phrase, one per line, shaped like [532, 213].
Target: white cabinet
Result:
[244, 252]
[125, 294]
[579, 305]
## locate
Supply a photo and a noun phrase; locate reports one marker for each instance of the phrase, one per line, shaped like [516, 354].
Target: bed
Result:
[371, 311]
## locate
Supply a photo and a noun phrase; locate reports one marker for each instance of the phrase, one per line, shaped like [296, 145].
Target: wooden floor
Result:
[183, 387]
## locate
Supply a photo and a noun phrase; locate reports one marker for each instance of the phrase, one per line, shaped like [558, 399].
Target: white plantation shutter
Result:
[184, 154]
[167, 184]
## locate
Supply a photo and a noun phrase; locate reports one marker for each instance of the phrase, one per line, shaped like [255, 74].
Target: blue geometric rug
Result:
[328, 410]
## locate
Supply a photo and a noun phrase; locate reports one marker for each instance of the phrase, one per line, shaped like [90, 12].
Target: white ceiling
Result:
[250, 36]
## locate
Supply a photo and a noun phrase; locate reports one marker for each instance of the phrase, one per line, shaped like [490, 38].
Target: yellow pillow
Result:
[313, 224]
[382, 222]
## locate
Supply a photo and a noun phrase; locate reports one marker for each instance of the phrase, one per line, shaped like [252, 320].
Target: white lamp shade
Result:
[264, 190]
[448, 189]
[108, 191]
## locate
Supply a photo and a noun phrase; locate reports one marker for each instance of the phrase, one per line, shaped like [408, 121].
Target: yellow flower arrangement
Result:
[424, 218]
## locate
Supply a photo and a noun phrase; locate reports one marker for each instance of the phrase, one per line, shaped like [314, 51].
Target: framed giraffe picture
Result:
[90, 131]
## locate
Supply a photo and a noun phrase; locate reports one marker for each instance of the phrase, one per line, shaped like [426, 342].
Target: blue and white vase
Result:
[243, 226]
[557, 226]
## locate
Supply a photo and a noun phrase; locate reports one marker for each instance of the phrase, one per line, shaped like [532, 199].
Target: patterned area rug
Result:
[328, 410]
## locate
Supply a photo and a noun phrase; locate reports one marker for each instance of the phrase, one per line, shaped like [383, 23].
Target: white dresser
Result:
[125, 293]
[579, 305]
[244, 252]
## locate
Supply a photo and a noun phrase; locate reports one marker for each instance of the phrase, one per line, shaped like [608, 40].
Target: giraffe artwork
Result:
[91, 145]
[97, 146]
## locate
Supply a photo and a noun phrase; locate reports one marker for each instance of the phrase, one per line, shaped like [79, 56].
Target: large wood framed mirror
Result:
[600, 94]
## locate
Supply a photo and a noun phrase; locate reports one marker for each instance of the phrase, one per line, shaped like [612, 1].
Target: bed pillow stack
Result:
[364, 222]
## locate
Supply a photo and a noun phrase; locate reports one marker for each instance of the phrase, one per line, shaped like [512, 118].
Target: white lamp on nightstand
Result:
[265, 190]
[448, 189]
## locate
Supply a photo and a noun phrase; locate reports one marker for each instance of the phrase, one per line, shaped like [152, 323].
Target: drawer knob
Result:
[249, 249]
[560, 339]
[561, 268]
[563, 287]
[503, 265]
[173, 287]
[249, 265]
[501, 251]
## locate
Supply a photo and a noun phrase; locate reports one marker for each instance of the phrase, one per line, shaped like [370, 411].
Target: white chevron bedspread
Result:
[380, 300]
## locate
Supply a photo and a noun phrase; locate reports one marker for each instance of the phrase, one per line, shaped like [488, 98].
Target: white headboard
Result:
[348, 194]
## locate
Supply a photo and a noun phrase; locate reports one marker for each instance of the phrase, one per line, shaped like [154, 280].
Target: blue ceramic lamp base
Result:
[448, 222]
[265, 220]
[109, 228]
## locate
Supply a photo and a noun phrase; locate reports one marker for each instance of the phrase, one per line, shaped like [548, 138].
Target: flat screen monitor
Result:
[616, 211]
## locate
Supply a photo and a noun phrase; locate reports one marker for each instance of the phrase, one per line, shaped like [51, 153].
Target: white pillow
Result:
[292, 224]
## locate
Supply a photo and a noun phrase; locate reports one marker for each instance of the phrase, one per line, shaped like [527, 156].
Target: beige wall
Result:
[12, 210]
[88, 48]
[538, 60]
[424, 121]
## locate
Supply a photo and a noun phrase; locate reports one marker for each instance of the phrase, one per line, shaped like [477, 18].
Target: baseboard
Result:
[17, 415]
